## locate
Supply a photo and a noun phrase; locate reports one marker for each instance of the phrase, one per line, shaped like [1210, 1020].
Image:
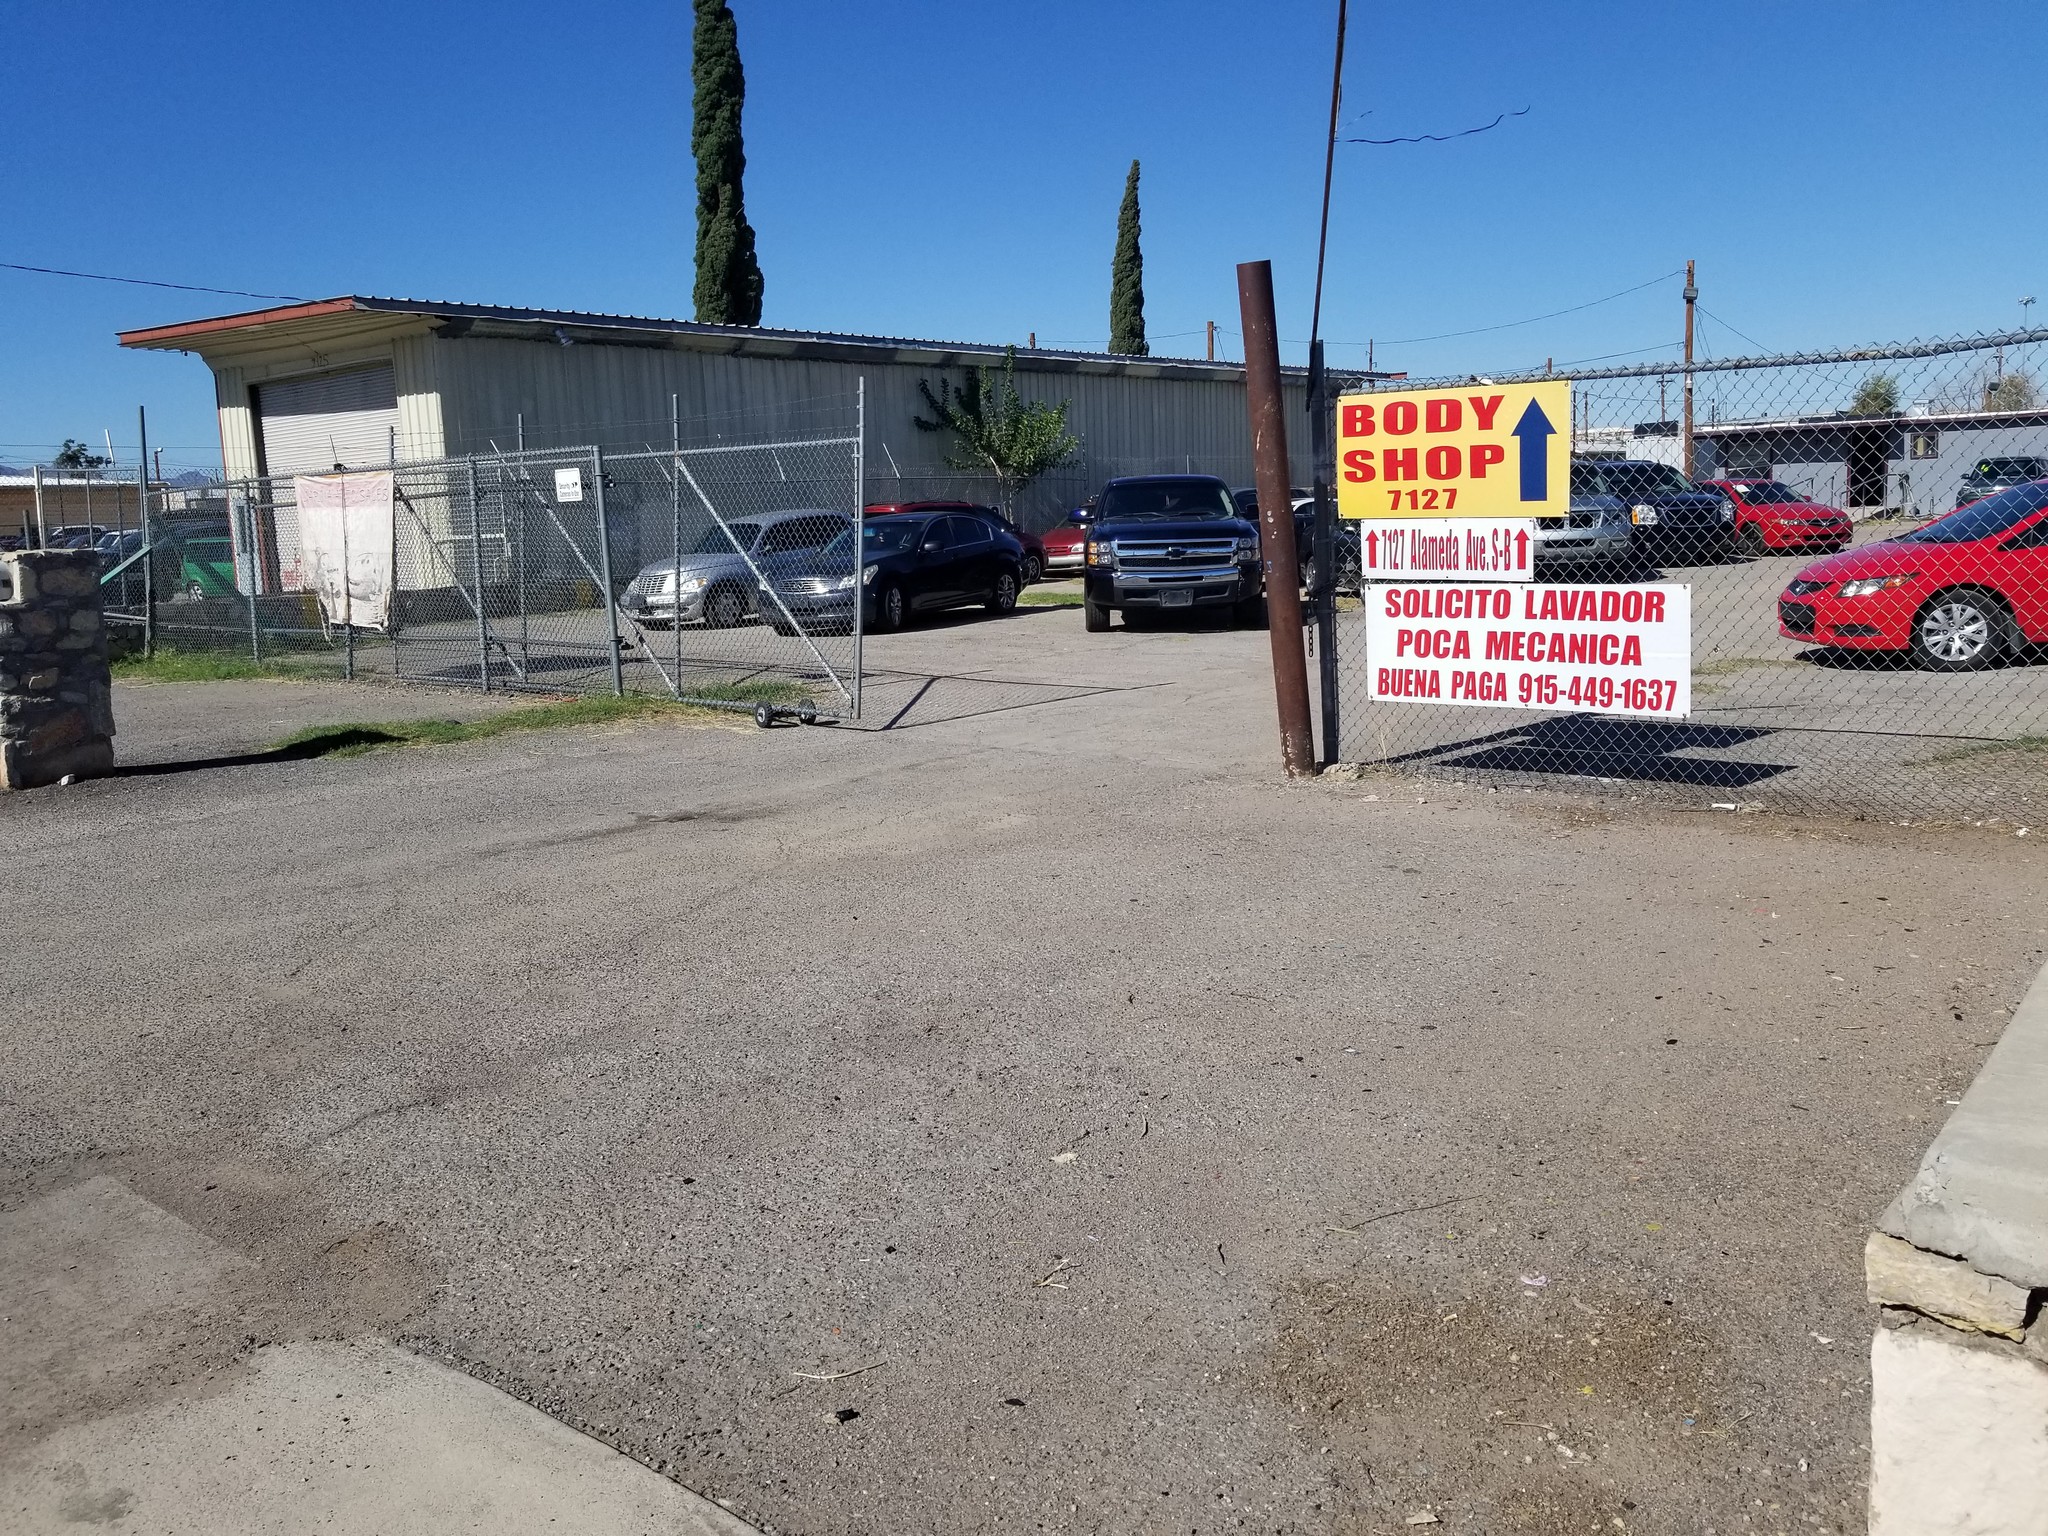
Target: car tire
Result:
[892, 608]
[725, 608]
[1033, 571]
[1962, 630]
[1003, 598]
[1750, 541]
[1094, 616]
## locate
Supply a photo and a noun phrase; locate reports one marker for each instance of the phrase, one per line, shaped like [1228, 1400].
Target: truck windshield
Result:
[1153, 501]
[1639, 480]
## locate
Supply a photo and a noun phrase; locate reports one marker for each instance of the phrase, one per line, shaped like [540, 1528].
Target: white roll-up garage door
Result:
[310, 425]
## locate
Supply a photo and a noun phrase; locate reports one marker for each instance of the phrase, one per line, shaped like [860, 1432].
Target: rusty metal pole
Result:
[1276, 514]
[1692, 294]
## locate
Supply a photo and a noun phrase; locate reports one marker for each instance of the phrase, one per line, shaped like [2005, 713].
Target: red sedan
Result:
[1064, 545]
[1771, 515]
[1034, 547]
[1959, 594]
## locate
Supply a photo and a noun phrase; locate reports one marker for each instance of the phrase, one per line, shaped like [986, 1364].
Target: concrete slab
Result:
[1981, 1192]
[1958, 1436]
[356, 1436]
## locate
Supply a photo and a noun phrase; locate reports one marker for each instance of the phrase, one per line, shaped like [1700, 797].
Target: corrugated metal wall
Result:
[618, 397]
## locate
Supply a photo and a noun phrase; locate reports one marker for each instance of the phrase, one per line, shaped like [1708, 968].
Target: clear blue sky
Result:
[1843, 170]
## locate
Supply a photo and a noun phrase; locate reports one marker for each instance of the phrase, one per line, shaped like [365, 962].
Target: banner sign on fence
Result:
[345, 545]
[1449, 548]
[1603, 650]
[1477, 450]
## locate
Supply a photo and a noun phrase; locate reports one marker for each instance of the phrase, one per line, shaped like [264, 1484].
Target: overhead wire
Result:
[151, 282]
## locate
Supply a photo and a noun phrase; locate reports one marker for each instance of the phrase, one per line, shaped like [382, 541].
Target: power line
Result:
[1480, 330]
[150, 282]
[1719, 321]
[1440, 138]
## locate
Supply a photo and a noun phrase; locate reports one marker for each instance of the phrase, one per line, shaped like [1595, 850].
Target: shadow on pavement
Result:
[1595, 747]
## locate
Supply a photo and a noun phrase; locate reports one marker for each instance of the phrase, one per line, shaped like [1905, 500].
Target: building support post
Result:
[1276, 514]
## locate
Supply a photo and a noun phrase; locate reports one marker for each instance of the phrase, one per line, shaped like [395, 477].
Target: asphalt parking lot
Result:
[1033, 1114]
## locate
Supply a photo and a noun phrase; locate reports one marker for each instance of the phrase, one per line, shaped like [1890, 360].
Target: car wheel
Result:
[1751, 540]
[1033, 570]
[892, 611]
[724, 608]
[1004, 598]
[1965, 630]
[1094, 616]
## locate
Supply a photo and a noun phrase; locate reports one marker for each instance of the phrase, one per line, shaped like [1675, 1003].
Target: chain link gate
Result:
[1852, 652]
[726, 576]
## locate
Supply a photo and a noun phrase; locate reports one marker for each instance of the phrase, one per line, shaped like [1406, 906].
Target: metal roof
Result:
[569, 327]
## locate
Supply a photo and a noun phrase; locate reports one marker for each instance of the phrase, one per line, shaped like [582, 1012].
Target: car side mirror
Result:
[931, 546]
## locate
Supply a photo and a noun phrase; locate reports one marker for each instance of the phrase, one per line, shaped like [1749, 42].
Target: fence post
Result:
[675, 497]
[42, 530]
[148, 548]
[476, 561]
[249, 543]
[604, 570]
[860, 548]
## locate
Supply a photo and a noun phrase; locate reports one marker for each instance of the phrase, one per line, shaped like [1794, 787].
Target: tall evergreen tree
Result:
[1127, 278]
[728, 275]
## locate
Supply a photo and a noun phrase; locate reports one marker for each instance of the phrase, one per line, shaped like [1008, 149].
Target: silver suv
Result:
[715, 580]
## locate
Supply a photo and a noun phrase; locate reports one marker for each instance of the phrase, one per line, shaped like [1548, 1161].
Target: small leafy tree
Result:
[2012, 392]
[996, 429]
[1879, 396]
[75, 455]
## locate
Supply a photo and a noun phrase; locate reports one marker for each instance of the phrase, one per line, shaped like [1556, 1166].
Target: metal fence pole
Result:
[42, 528]
[860, 477]
[1322, 470]
[604, 568]
[675, 497]
[476, 558]
[249, 539]
[148, 549]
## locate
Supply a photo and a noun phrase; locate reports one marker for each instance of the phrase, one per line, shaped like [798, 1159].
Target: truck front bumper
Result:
[1208, 587]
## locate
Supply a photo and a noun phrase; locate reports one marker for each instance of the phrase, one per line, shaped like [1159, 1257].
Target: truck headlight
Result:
[1102, 556]
[1248, 549]
[1642, 516]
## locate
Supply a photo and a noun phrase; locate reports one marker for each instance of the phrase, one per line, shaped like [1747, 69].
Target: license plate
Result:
[1177, 597]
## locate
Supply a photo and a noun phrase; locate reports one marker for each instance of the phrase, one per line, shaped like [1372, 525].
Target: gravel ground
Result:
[1166, 1147]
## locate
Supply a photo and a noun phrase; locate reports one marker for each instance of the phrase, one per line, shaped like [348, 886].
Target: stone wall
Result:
[56, 694]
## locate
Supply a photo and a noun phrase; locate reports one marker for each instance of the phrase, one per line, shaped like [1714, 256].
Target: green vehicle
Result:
[207, 566]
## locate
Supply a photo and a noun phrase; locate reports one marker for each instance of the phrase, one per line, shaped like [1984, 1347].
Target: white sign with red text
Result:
[1448, 549]
[1602, 650]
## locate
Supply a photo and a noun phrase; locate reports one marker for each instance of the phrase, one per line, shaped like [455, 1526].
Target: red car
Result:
[1959, 594]
[1771, 515]
[1065, 544]
[1034, 547]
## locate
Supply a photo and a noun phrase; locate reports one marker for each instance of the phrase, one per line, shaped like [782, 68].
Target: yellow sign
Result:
[1479, 450]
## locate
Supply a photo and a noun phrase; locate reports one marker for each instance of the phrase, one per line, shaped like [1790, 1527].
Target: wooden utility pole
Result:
[1212, 341]
[1276, 514]
[1692, 294]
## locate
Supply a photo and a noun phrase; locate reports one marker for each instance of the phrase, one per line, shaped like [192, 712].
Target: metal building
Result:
[358, 380]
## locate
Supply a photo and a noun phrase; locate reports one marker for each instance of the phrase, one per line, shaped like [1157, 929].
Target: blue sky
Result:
[1843, 172]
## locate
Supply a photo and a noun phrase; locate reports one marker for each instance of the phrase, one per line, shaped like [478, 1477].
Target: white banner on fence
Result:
[345, 538]
[1601, 650]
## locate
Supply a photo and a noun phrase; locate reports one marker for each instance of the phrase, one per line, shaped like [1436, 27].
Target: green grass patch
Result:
[170, 665]
[1983, 749]
[791, 694]
[1732, 664]
[357, 738]
[1048, 599]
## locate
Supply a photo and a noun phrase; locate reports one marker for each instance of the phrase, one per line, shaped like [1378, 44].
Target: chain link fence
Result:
[725, 575]
[1847, 654]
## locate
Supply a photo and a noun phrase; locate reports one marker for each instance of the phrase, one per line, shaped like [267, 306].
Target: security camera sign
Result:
[1597, 650]
[1477, 450]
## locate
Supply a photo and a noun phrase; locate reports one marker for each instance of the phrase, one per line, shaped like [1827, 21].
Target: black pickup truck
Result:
[1161, 544]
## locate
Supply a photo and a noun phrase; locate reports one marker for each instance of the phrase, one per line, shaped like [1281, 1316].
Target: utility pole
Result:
[1692, 295]
[1212, 341]
[1276, 514]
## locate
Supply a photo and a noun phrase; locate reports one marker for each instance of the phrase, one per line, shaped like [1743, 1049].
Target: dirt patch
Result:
[1520, 1410]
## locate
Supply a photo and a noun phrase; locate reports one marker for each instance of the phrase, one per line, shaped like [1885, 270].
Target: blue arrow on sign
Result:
[1532, 430]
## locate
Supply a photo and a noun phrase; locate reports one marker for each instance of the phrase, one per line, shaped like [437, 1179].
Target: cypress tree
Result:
[1127, 278]
[728, 288]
